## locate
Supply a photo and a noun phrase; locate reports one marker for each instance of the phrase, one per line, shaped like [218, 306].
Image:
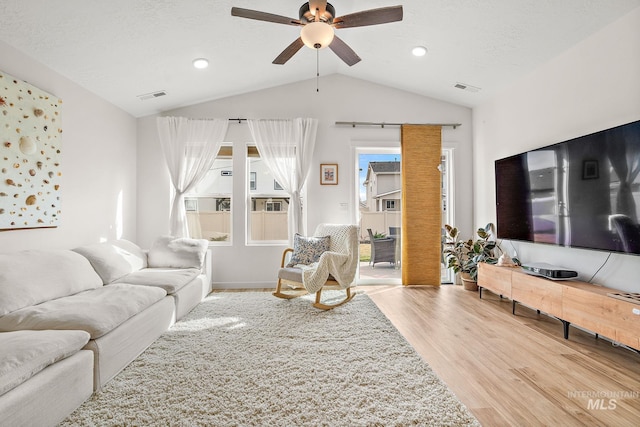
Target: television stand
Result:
[572, 302]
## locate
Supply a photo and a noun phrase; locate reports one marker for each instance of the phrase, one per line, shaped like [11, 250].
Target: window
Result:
[208, 205]
[191, 205]
[273, 206]
[268, 202]
[390, 205]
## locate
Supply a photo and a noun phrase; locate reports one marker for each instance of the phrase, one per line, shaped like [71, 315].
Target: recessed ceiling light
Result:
[200, 63]
[419, 51]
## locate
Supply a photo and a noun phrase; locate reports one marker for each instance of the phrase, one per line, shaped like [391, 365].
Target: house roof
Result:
[121, 49]
[388, 193]
[385, 167]
[381, 168]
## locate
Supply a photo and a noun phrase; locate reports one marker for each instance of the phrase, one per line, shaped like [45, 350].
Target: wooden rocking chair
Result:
[334, 269]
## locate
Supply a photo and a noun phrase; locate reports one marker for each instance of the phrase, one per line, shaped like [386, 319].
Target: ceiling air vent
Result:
[152, 95]
[466, 87]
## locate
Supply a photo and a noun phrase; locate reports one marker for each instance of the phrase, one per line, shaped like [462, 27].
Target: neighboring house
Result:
[383, 187]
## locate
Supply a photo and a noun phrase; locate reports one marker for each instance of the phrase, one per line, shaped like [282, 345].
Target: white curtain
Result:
[190, 146]
[286, 146]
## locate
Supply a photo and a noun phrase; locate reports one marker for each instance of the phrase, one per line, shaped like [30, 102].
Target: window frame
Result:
[225, 152]
[388, 203]
[254, 196]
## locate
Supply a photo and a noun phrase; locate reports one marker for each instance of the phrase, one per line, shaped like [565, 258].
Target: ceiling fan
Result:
[318, 21]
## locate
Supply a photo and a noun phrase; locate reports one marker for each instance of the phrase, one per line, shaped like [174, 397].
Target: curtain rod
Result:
[383, 124]
[239, 120]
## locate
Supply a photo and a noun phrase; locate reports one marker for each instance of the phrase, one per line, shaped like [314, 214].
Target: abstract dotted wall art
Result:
[30, 152]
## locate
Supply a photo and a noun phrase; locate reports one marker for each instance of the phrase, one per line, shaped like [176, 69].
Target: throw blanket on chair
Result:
[341, 261]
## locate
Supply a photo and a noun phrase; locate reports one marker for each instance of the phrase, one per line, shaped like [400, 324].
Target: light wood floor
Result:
[514, 370]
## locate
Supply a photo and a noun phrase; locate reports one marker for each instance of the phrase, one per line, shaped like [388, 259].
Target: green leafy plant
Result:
[463, 256]
[378, 235]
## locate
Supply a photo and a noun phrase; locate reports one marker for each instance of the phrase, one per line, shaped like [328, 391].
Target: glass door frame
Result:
[448, 199]
[393, 148]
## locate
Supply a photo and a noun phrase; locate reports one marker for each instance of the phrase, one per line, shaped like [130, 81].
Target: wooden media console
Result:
[605, 311]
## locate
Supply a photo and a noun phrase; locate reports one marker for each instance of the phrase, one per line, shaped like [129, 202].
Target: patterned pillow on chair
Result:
[307, 250]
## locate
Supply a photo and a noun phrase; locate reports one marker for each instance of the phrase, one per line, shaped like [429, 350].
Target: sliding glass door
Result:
[378, 197]
[379, 203]
[446, 168]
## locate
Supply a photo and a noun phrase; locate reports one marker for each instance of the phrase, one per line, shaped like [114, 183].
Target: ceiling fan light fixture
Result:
[200, 63]
[317, 35]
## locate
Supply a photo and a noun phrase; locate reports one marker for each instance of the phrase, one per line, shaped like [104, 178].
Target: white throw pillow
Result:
[114, 259]
[34, 276]
[177, 252]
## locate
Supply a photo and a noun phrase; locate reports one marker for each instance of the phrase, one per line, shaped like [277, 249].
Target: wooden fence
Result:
[216, 225]
[378, 222]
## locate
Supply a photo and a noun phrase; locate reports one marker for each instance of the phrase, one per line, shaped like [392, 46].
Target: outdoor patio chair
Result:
[382, 249]
[326, 261]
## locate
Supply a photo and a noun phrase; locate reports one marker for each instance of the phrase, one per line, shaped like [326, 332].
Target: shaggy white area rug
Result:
[250, 359]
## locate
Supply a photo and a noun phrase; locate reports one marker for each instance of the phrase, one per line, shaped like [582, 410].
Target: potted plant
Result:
[463, 256]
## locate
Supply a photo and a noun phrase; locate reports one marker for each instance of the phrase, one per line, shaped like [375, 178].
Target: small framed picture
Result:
[590, 169]
[329, 174]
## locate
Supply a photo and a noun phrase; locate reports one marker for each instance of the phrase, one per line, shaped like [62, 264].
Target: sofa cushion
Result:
[25, 353]
[114, 259]
[169, 279]
[173, 252]
[97, 311]
[34, 276]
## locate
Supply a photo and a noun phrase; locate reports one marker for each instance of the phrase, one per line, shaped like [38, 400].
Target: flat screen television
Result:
[582, 193]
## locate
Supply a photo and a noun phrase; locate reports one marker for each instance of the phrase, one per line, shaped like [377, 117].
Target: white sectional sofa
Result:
[181, 267]
[44, 376]
[111, 298]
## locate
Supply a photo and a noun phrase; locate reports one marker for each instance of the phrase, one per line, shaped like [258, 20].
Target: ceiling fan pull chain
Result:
[317, 70]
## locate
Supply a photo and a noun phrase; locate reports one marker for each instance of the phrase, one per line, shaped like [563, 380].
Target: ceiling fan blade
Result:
[289, 51]
[381, 15]
[318, 4]
[343, 51]
[264, 16]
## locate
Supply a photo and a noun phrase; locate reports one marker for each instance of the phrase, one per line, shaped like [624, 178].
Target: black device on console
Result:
[549, 271]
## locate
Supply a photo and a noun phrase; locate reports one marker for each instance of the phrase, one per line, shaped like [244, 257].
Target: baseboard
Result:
[243, 285]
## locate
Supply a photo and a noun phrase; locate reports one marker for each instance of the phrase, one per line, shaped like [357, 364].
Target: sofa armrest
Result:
[207, 267]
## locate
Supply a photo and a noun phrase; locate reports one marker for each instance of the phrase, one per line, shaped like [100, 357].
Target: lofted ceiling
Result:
[120, 49]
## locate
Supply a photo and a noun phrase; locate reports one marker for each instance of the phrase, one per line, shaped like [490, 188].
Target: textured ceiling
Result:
[120, 49]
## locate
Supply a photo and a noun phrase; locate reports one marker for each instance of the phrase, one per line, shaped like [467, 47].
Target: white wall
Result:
[340, 99]
[591, 87]
[98, 190]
